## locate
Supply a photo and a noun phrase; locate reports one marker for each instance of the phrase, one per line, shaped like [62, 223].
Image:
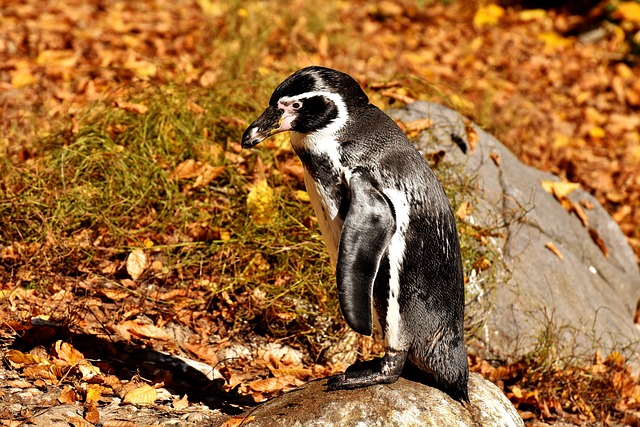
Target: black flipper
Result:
[366, 233]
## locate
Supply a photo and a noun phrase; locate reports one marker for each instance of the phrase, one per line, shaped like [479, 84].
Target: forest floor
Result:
[131, 222]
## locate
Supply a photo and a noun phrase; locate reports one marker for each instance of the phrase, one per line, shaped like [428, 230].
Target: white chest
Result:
[322, 190]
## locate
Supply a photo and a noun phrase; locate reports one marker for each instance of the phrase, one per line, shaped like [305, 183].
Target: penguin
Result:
[387, 224]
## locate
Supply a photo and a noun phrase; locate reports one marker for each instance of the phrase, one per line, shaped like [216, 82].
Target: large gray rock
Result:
[402, 404]
[585, 300]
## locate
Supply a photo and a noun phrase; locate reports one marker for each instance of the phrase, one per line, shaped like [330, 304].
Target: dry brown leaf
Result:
[43, 372]
[132, 107]
[67, 353]
[94, 392]
[417, 126]
[472, 135]
[203, 352]
[19, 384]
[270, 385]
[91, 413]
[113, 294]
[180, 404]
[143, 395]
[79, 422]
[580, 213]
[595, 236]
[298, 373]
[136, 263]
[553, 248]
[144, 330]
[119, 423]
[463, 210]
[495, 157]
[68, 396]
[238, 421]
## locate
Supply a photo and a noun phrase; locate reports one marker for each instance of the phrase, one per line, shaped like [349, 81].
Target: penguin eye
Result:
[296, 105]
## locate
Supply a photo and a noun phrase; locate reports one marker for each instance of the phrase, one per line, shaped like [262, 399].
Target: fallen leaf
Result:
[180, 404]
[270, 385]
[144, 395]
[628, 11]
[487, 15]
[68, 396]
[132, 107]
[559, 189]
[136, 263]
[119, 423]
[595, 236]
[472, 135]
[67, 353]
[18, 359]
[91, 413]
[94, 392]
[260, 202]
[238, 421]
[463, 210]
[78, 422]
[580, 213]
[144, 330]
[495, 157]
[552, 247]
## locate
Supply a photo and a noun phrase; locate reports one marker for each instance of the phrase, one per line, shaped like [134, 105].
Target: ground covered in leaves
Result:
[143, 253]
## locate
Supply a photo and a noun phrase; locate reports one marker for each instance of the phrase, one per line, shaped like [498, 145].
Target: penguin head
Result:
[311, 100]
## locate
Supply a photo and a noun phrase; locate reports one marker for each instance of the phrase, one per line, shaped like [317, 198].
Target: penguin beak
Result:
[270, 122]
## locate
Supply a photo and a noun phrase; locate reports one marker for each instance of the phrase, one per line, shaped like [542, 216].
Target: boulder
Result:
[403, 403]
[578, 297]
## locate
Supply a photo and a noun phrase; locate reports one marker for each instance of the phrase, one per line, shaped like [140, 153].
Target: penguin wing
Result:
[366, 233]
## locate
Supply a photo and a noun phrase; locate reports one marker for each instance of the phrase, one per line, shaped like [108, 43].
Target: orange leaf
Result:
[145, 331]
[68, 396]
[553, 248]
[238, 421]
[132, 107]
[67, 353]
[91, 413]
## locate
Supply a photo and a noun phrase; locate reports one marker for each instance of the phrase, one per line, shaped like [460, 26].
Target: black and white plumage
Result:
[387, 223]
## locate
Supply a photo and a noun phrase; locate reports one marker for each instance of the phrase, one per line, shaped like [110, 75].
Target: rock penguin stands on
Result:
[387, 224]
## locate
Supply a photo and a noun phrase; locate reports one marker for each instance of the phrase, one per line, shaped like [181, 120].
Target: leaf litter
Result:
[93, 293]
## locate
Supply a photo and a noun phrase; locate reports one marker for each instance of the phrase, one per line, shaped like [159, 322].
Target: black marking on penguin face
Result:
[313, 113]
[320, 79]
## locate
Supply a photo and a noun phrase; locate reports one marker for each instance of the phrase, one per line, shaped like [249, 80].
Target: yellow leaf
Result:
[260, 202]
[94, 391]
[136, 263]
[57, 58]
[596, 132]
[553, 40]
[18, 359]
[22, 75]
[144, 395]
[629, 11]
[532, 14]
[302, 195]
[488, 15]
[559, 189]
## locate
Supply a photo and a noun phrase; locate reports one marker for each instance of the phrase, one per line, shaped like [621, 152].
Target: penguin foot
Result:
[378, 371]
